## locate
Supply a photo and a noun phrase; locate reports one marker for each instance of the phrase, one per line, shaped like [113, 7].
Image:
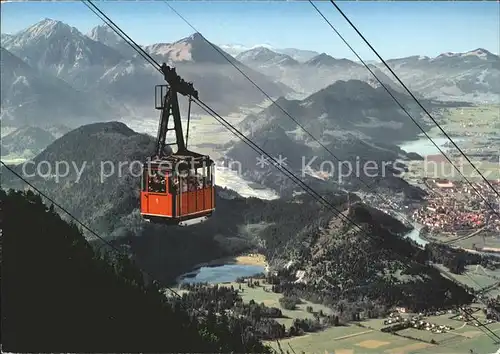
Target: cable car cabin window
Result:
[143, 180]
[173, 184]
[156, 183]
[211, 175]
[207, 176]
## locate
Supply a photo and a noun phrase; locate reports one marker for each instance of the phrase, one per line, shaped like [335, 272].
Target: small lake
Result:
[221, 274]
[424, 146]
[230, 272]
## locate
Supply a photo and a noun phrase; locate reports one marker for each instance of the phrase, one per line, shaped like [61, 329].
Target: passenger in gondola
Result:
[175, 184]
[191, 184]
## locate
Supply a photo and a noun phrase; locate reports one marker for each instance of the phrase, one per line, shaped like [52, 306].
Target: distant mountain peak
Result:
[107, 36]
[261, 49]
[320, 59]
[98, 32]
[263, 55]
[194, 48]
[479, 53]
[298, 54]
[324, 59]
[324, 56]
[48, 27]
[194, 39]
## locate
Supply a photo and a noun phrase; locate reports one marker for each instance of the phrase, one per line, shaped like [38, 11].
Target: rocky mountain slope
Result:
[351, 119]
[64, 52]
[299, 55]
[33, 97]
[352, 106]
[472, 76]
[27, 141]
[312, 75]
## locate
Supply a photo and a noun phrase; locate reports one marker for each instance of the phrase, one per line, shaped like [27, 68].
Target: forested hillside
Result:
[363, 263]
[59, 295]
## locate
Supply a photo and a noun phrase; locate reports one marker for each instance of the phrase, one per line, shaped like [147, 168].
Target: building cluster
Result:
[416, 322]
[399, 320]
[456, 206]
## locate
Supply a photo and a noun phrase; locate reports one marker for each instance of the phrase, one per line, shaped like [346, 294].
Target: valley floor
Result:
[366, 337]
[475, 130]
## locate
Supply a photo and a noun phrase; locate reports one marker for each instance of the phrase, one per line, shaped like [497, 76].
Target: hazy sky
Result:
[395, 29]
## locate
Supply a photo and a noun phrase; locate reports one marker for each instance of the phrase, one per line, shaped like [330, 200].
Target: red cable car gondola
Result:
[177, 188]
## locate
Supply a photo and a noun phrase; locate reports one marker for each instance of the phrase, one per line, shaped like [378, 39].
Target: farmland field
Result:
[366, 337]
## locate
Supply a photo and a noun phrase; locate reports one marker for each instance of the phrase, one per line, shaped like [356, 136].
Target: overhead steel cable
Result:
[289, 174]
[397, 256]
[369, 186]
[253, 145]
[209, 110]
[206, 108]
[218, 50]
[257, 149]
[122, 34]
[403, 108]
[276, 164]
[410, 93]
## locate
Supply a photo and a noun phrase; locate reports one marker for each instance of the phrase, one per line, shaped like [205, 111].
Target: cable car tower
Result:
[177, 187]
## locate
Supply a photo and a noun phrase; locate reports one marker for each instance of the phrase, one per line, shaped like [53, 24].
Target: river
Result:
[415, 235]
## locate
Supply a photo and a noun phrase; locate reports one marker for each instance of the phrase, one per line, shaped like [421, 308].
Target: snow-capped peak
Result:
[47, 27]
[235, 49]
[479, 53]
[266, 56]
[195, 38]
[102, 32]
[254, 53]
[194, 48]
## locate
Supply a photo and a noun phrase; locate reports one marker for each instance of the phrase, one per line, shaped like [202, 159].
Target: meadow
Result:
[366, 337]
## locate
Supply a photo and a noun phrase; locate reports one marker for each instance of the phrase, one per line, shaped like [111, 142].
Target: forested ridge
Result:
[60, 295]
[367, 269]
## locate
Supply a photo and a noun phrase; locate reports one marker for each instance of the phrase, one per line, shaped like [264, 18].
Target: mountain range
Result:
[31, 96]
[99, 64]
[472, 76]
[26, 142]
[102, 78]
[301, 55]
